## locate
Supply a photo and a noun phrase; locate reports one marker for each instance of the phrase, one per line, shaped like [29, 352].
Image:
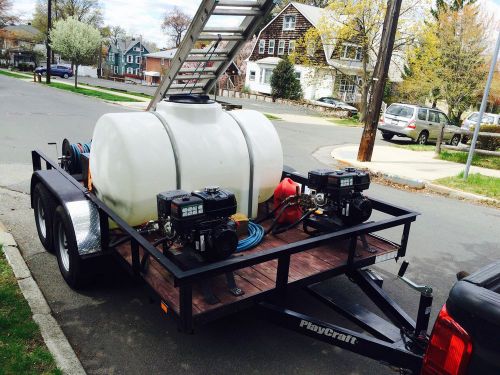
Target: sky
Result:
[144, 17]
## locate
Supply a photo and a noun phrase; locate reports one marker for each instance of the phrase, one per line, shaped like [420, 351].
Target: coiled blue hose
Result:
[255, 236]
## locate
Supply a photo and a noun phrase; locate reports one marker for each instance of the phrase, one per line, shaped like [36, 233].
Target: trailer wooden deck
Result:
[261, 278]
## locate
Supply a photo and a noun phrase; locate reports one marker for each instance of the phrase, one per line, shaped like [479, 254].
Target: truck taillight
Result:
[411, 124]
[449, 349]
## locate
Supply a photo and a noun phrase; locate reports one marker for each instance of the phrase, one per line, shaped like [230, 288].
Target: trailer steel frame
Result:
[384, 346]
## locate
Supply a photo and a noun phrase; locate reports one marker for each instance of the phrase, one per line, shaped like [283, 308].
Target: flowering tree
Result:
[75, 41]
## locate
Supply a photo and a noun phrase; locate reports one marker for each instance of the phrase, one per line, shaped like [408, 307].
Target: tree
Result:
[175, 24]
[361, 22]
[461, 42]
[87, 11]
[75, 41]
[284, 84]
[6, 16]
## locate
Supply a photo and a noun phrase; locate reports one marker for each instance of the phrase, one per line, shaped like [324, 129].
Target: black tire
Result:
[65, 76]
[387, 136]
[69, 261]
[44, 209]
[455, 140]
[423, 137]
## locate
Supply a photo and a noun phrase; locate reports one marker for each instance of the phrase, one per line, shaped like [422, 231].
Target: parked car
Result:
[421, 124]
[336, 104]
[471, 120]
[56, 70]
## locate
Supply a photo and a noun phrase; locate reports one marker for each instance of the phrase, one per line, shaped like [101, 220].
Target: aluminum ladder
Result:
[195, 70]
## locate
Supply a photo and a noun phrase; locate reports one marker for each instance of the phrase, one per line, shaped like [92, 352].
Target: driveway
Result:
[114, 326]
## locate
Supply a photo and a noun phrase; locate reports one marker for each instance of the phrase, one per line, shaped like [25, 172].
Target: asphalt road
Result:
[114, 327]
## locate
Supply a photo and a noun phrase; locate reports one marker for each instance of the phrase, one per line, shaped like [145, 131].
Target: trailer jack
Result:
[399, 342]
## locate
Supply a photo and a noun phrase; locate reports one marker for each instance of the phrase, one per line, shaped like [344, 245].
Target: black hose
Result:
[284, 229]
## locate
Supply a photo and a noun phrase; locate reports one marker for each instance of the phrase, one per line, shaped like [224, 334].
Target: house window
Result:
[270, 49]
[130, 59]
[137, 49]
[289, 23]
[251, 76]
[262, 46]
[291, 46]
[137, 71]
[347, 84]
[281, 47]
[115, 69]
[130, 70]
[265, 75]
[297, 75]
[352, 52]
[138, 59]
[162, 61]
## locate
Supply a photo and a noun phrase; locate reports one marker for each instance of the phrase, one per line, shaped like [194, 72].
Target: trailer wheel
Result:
[70, 263]
[44, 207]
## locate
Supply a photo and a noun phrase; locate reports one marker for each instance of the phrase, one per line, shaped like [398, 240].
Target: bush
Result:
[284, 84]
[486, 142]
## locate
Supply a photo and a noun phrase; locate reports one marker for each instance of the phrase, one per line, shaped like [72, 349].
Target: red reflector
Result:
[449, 349]
[412, 125]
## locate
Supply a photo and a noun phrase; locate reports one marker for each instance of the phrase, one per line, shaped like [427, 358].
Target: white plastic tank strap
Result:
[175, 148]
[251, 159]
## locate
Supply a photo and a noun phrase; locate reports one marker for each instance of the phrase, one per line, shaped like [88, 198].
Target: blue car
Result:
[56, 70]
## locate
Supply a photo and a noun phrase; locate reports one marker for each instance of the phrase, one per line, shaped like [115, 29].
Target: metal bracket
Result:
[422, 289]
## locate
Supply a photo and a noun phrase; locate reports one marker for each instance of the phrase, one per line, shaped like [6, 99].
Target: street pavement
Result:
[116, 329]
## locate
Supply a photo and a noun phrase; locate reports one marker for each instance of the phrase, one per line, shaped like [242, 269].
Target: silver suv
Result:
[421, 124]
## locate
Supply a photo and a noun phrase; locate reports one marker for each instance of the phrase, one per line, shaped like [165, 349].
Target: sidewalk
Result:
[416, 169]
[415, 165]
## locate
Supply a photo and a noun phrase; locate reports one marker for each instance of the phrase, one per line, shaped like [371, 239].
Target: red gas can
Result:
[287, 188]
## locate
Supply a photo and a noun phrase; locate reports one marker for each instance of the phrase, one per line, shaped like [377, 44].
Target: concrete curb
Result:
[56, 341]
[421, 184]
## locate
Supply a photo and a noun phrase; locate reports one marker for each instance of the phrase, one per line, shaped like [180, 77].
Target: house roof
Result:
[311, 13]
[269, 60]
[167, 54]
[26, 30]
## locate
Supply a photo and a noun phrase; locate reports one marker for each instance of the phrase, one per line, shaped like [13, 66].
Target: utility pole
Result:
[381, 70]
[49, 50]
[482, 109]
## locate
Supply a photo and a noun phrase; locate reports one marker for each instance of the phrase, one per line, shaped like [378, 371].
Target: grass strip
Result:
[415, 147]
[13, 75]
[22, 350]
[485, 161]
[93, 93]
[272, 117]
[140, 94]
[345, 122]
[476, 183]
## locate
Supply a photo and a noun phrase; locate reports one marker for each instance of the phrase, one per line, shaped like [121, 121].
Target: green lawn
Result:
[271, 117]
[345, 122]
[476, 183]
[22, 350]
[93, 93]
[486, 161]
[12, 74]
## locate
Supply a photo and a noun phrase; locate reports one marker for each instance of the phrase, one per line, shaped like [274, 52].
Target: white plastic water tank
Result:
[187, 146]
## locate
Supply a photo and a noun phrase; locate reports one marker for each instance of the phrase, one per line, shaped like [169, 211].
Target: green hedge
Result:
[485, 142]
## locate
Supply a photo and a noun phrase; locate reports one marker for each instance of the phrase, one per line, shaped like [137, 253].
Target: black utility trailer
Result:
[74, 222]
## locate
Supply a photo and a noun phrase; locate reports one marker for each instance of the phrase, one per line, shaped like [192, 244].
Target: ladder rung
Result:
[217, 29]
[238, 3]
[184, 91]
[205, 51]
[206, 58]
[194, 76]
[197, 70]
[187, 85]
[222, 37]
[236, 12]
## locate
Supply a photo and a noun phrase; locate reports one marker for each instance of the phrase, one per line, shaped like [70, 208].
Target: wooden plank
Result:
[259, 280]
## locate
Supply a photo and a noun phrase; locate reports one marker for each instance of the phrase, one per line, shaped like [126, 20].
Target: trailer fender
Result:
[83, 213]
